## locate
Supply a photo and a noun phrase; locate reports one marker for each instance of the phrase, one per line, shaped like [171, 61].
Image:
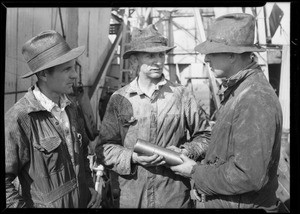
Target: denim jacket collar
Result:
[228, 84]
[242, 74]
[34, 104]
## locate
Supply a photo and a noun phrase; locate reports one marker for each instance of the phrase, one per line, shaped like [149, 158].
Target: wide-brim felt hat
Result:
[46, 50]
[230, 33]
[147, 40]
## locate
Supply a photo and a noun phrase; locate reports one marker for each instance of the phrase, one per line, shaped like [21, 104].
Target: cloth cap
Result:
[147, 40]
[46, 50]
[231, 33]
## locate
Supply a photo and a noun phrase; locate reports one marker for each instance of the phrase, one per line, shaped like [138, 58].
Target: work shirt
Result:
[163, 119]
[36, 152]
[59, 113]
[240, 167]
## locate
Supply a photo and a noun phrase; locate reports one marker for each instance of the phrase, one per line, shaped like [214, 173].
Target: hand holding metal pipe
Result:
[172, 158]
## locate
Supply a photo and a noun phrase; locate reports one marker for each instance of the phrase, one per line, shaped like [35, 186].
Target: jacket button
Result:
[56, 123]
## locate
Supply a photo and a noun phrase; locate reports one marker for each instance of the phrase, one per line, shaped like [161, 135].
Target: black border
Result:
[294, 69]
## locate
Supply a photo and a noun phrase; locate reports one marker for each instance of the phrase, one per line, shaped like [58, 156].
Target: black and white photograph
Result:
[147, 107]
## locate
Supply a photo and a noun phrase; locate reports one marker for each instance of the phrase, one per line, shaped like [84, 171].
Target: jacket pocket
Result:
[49, 144]
[49, 156]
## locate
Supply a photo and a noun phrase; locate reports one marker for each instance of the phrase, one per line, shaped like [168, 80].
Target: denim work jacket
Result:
[164, 120]
[36, 152]
[240, 167]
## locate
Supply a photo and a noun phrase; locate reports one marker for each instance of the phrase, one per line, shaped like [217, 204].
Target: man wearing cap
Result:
[45, 146]
[240, 166]
[155, 110]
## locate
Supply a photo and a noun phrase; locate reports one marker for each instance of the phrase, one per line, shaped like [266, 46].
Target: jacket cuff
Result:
[195, 150]
[198, 175]
[127, 167]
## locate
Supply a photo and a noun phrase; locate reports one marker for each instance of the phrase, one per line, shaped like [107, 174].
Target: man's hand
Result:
[185, 168]
[95, 199]
[153, 160]
[176, 149]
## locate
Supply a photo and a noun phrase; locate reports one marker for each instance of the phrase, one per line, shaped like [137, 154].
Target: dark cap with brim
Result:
[147, 40]
[230, 33]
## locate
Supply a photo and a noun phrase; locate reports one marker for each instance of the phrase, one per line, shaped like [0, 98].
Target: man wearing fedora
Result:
[240, 166]
[45, 146]
[155, 110]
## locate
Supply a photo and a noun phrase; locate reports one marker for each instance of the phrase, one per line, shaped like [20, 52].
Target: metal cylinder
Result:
[171, 157]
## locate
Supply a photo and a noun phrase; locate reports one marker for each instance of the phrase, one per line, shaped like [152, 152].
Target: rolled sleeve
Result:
[109, 149]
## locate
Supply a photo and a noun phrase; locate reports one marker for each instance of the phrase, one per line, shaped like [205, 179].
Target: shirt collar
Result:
[49, 104]
[227, 83]
[134, 87]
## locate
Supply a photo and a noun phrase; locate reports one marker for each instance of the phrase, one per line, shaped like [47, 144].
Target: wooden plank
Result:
[61, 23]
[212, 79]
[284, 90]
[100, 79]
[98, 43]
[10, 53]
[170, 58]
[10, 78]
[41, 22]
[263, 59]
[199, 24]
[9, 101]
[11, 60]
[93, 28]
[71, 27]
[11, 32]
[83, 39]
[25, 32]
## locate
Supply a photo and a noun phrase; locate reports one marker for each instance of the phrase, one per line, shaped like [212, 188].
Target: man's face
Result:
[62, 78]
[151, 64]
[219, 63]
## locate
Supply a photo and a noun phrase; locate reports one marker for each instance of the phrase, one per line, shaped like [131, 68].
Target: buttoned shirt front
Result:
[59, 113]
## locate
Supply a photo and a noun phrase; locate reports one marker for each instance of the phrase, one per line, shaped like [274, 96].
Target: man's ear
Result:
[42, 75]
[133, 61]
[232, 57]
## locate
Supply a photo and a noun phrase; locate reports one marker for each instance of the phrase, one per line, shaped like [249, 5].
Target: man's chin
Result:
[69, 91]
[156, 75]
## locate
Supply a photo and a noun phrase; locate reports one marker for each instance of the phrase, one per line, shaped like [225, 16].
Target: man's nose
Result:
[159, 59]
[206, 58]
[74, 74]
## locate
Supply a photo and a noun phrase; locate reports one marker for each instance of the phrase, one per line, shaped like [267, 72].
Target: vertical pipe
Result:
[268, 33]
[171, 43]
[71, 27]
[61, 23]
[17, 34]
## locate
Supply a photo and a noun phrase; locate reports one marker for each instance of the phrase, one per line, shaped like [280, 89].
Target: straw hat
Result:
[231, 33]
[147, 40]
[46, 50]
